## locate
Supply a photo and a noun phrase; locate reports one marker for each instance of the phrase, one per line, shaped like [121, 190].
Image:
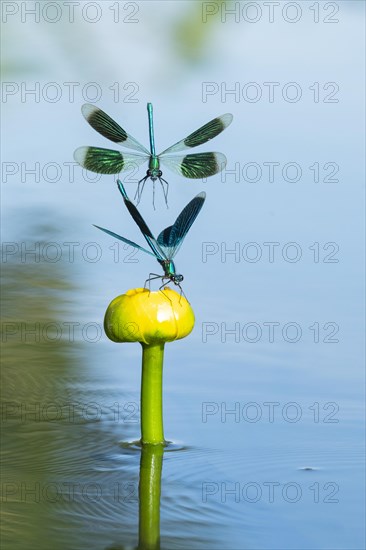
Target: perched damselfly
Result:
[165, 247]
[109, 161]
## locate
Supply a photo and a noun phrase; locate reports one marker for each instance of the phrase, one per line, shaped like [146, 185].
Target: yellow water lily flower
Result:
[148, 317]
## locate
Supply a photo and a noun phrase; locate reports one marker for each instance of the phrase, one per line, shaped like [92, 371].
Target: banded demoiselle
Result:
[109, 161]
[169, 241]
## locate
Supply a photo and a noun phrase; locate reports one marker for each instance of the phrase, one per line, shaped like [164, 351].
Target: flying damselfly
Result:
[109, 161]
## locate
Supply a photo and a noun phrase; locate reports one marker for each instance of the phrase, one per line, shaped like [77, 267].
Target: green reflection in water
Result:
[34, 365]
[149, 495]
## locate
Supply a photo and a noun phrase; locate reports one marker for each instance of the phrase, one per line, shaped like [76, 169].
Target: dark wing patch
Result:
[101, 161]
[171, 238]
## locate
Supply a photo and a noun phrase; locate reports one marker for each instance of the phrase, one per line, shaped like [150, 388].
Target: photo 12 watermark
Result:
[271, 12]
[271, 92]
[53, 492]
[269, 332]
[52, 252]
[69, 412]
[270, 492]
[280, 172]
[68, 92]
[251, 412]
[271, 252]
[51, 332]
[53, 172]
[28, 12]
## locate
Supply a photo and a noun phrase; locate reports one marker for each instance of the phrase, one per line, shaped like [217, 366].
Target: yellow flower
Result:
[148, 317]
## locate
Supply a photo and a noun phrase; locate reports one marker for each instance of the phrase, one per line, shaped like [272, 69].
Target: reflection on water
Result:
[35, 368]
[69, 409]
[149, 496]
[37, 365]
[67, 476]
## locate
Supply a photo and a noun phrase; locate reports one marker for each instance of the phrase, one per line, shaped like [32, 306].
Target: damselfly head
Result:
[154, 174]
[177, 278]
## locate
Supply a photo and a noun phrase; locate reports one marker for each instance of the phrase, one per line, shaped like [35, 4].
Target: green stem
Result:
[149, 494]
[152, 394]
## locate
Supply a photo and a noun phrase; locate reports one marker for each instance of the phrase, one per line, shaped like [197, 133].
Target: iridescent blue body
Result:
[153, 172]
[169, 240]
[170, 271]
